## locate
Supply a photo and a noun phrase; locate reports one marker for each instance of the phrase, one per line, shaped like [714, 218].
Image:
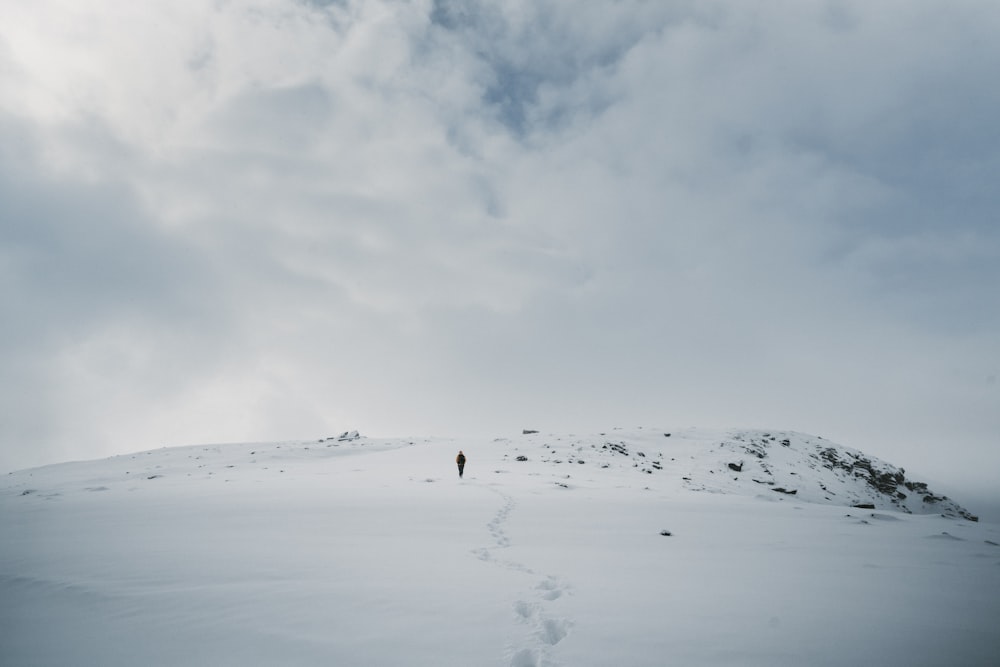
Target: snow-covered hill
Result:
[751, 462]
[741, 462]
[640, 547]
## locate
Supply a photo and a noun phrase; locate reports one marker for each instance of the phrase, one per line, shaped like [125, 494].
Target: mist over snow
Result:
[639, 547]
[262, 219]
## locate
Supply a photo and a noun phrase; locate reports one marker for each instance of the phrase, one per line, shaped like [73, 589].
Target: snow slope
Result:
[372, 552]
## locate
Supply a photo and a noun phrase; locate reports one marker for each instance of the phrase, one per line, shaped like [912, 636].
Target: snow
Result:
[358, 551]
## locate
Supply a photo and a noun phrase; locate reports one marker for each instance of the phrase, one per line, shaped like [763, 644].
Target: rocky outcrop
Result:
[809, 468]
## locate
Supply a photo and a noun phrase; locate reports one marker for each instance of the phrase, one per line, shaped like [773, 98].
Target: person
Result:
[460, 460]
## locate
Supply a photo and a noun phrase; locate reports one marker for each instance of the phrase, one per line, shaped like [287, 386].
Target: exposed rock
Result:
[617, 447]
[886, 480]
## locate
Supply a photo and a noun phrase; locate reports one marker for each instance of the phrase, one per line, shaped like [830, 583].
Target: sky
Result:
[247, 220]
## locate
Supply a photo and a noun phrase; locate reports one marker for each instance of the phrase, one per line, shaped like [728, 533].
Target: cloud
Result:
[270, 218]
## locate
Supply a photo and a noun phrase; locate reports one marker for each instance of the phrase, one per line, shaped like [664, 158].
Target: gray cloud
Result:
[466, 216]
[88, 282]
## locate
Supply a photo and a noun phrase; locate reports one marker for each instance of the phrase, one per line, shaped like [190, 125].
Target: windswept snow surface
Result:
[372, 552]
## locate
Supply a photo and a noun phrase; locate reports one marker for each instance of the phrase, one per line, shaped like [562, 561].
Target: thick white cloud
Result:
[270, 218]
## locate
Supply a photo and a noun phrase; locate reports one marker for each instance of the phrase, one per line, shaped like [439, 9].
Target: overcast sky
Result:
[274, 219]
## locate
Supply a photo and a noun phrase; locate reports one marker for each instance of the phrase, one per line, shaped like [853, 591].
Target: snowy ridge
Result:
[749, 462]
[772, 464]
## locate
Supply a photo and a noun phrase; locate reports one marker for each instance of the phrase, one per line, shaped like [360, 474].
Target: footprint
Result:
[524, 658]
[553, 630]
[544, 632]
[517, 567]
[551, 589]
[525, 610]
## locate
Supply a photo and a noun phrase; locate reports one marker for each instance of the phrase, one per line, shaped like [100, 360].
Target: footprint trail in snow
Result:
[546, 630]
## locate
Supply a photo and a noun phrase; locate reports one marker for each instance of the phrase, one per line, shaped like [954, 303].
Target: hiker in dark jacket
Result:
[460, 460]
